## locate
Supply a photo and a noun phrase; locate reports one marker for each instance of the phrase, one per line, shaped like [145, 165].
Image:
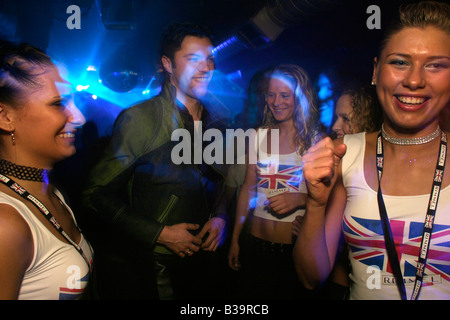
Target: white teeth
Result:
[67, 135]
[411, 100]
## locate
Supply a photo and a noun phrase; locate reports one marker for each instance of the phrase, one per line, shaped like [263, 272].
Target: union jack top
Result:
[371, 275]
[277, 174]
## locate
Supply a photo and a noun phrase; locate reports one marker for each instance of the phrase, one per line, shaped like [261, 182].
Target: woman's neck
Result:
[286, 128]
[34, 180]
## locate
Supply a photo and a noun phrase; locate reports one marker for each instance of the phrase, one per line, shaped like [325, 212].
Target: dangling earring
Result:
[373, 83]
[13, 138]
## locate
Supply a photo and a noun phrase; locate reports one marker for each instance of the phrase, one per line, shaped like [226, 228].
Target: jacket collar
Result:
[169, 95]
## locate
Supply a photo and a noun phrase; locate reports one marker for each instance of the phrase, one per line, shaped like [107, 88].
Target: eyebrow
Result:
[281, 92]
[55, 98]
[409, 56]
[58, 98]
[196, 55]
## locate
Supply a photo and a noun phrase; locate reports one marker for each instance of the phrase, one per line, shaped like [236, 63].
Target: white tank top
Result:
[57, 271]
[371, 276]
[277, 174]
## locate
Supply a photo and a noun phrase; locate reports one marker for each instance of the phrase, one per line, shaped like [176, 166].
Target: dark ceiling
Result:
[316, 34]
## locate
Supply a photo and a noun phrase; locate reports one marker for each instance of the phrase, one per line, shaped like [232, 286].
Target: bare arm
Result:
[243, 208]
[318, 240]
[16, 251]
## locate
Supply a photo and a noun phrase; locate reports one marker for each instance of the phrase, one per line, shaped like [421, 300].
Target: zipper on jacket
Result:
[172, 201]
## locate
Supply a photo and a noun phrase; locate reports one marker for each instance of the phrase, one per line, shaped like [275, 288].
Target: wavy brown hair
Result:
[366, 113]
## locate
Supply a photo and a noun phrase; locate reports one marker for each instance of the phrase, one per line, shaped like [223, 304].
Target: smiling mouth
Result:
[201, 79]
[67, 135]
[413, 101]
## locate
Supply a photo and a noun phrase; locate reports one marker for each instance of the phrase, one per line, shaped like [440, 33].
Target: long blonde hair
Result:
[305, 113]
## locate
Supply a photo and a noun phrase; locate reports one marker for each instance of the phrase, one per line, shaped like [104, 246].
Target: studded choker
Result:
[410, 141]
[23, 172]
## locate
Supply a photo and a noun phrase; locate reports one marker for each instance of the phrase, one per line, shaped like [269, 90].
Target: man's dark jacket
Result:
[137, 188]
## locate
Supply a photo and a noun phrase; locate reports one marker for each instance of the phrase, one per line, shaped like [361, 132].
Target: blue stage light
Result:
[81, 87]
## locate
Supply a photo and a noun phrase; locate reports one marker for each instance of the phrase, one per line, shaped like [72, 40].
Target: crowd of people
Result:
[304, 214]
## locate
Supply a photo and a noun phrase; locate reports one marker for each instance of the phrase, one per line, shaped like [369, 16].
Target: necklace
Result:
[410, 141]
[23, 172]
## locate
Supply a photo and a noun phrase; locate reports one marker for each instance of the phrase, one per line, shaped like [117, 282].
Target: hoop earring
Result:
[13, 138]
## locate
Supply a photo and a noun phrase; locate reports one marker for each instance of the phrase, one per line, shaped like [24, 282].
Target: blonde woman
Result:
[273, 193]
[375, 188]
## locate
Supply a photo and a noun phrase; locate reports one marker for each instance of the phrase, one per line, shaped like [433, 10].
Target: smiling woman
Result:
[380, 190]
[274, 193]
[413, 81]
[55, 118]
[43, 254]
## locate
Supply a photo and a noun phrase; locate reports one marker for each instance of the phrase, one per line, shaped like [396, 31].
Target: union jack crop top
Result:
[277, 174]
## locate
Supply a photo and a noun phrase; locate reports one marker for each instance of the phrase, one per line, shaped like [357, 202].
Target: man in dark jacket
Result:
[164, 220]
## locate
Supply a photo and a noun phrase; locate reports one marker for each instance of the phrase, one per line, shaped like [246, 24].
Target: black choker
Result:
[23, 172]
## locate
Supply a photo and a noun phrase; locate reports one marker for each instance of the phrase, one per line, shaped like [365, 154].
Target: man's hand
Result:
[178, 239]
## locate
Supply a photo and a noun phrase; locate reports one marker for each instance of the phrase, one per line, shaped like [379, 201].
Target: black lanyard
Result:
[28, 196]
[428, 224]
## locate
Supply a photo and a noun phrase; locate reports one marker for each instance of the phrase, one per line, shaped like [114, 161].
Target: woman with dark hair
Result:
[43, 254]
[273, 191]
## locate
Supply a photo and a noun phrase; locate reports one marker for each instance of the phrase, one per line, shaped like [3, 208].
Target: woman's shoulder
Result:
[10, 217]
[14, 230]
[16, 248]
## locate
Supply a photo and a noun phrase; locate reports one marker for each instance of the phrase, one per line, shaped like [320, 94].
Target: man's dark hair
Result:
[174, 34]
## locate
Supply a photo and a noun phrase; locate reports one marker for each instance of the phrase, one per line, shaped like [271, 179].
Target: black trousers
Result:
[196, 277]
[267, 271]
